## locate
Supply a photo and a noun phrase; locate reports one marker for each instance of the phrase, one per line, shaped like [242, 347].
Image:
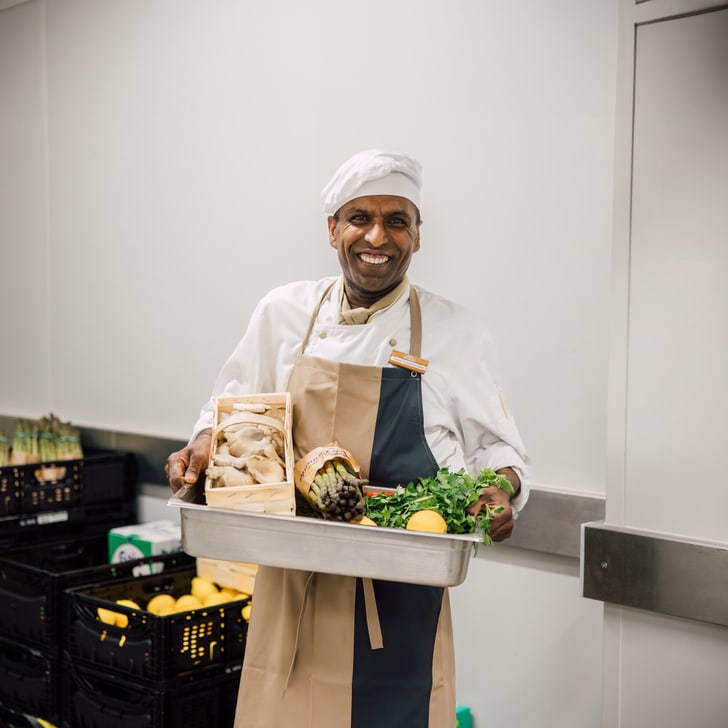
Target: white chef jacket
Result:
[465, 417]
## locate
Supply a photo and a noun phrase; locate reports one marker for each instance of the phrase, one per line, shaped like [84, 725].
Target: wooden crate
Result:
[233, 574]
[272, 498]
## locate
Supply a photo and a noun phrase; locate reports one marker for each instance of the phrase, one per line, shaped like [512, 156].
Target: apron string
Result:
[370, 607]
[314, 316]
[304, 599]
[415, 321]
[374, 627]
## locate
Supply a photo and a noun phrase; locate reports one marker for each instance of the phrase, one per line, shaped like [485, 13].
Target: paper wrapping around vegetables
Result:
[329, 477]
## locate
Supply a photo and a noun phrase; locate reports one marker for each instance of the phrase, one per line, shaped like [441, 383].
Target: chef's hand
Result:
[501, 527]
[185, 466]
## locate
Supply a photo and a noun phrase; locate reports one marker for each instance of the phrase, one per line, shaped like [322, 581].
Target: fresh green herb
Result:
[449, 493]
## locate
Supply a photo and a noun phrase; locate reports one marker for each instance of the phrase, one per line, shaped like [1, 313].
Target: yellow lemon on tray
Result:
[364, 521]
[427, 520]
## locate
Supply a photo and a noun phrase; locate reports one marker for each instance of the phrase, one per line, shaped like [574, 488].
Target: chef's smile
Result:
[375, 237]
[373, 259]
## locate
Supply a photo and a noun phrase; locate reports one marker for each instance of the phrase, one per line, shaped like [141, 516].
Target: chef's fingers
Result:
[176, 469]
[185, 466]
[501, 527]
[492, 496]
[198, 456]
[197, 465]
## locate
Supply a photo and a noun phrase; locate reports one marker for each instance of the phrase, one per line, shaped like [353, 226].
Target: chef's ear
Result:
[332, 222]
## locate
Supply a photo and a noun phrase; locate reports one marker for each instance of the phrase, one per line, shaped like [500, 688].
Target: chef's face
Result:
[375, 238]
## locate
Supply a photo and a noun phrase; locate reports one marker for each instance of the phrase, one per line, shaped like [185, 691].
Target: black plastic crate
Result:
[151, 647]
[12, 719]
[67, 524]
[29, 682]
[99, 477]
[200, 700]
[9, 493]
[33, 581]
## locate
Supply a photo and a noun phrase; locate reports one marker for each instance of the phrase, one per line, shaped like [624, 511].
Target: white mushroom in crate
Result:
[249, 446]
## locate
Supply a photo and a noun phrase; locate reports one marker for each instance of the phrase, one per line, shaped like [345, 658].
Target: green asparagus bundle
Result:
[67, 440]
[4, 450]
[44, 441]
[336, 492]
[25, 443]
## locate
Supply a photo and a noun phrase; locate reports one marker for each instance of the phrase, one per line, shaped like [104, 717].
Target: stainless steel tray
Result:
[330, 547]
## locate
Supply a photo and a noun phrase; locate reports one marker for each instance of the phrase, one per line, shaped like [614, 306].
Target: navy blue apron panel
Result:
[400, 452]
[391, 686]
[408, 615]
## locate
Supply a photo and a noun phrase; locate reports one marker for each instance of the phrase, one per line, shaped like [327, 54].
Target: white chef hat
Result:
[373, 172]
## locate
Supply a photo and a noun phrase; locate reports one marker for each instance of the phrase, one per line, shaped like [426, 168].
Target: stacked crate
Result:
[156, 670]
[33, 582]
[45, 502]
[53, 523]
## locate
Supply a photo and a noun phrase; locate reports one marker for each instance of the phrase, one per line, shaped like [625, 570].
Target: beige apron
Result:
[327, 651]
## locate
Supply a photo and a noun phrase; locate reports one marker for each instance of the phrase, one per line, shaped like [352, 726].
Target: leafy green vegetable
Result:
[449, 493]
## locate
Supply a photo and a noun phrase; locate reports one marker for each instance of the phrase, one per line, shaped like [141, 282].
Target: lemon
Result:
[245, 611]
[427, 520]
[232, 595]
[214, 598]
[121, 619]
[187, 602]
[364, 521]
[107, 615]
[201, 587]
[162, 604]
[128, 603]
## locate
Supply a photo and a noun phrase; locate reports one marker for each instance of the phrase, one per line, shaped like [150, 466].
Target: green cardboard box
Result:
[144, 539]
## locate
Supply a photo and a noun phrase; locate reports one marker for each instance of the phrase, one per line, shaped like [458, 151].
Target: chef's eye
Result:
[397, 222]
[359, 218]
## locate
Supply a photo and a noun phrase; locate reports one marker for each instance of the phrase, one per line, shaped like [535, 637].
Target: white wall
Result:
[24, 255]
[673, 272]
[186, 147]
[162, 170]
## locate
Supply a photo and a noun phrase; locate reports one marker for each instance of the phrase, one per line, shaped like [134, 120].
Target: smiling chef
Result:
[377, 364]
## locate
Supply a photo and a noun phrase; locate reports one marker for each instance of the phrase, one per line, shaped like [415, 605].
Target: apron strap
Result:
[294, 653]
[314, 316]
[415, 321]
[370, 606]
[373, 625]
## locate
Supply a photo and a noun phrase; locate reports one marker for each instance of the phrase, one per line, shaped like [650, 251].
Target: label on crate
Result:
[43, 519]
